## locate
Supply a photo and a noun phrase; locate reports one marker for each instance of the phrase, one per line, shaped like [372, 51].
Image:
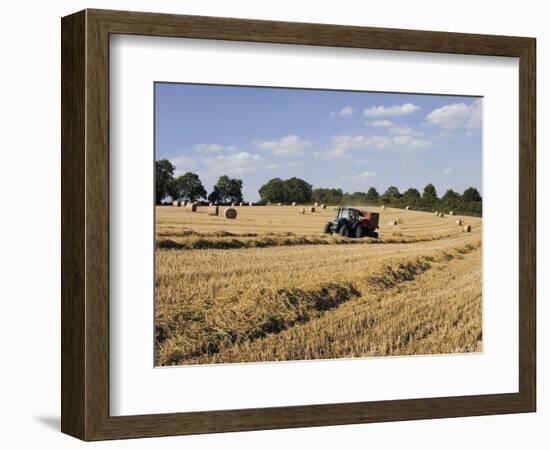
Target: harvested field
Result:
[270, 286]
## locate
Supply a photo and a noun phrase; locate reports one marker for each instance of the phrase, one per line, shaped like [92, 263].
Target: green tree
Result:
[411, 197]
[329, 196]
[235, 192]
[355, 199]
[471, 195]
[274, 191]
[187, 187]
[372, 195]
[450, 195]
[214, 196]
[285, 191]
[164, 175]
[411, 193]
[451, 200]
[391, 195]
[429, 196]
[227, 190]
[297, 190]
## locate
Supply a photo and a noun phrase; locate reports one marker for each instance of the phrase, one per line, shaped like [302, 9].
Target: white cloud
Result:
[404, 131]
[235, 164]
[208, 148]
[236, 157]
[398, 140]
[457, 115]
[447, 171]
[381, 123]
[367, 174]
[183, 164]
[289, 145]
[475, 117]
[419, 143]
[214, 148]
[211, 167]
[391, 111]
[346, 111]
[342, 145]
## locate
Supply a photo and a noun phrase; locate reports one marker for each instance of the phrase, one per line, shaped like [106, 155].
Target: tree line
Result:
[229, 190]
[467, 203]
[189, 186]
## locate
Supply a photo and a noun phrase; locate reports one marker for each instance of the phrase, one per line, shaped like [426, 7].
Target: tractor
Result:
[352, 222]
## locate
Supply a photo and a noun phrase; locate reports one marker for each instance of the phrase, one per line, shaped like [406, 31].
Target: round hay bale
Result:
[279, 204]
[312, 209]
[383, 206]
[467, 228]
[407, 207]
[213, 210]
[241, 204]
[451, 213]
[192, 207]
[232, 204]
[303, 211]
[323, 206]
[176, 203]
[436, 213]
[184, 203]
[249, 203]
[441, 214]
[459, 222]
[392, 223]
[316, 204]
[230, 213]
[293, 203]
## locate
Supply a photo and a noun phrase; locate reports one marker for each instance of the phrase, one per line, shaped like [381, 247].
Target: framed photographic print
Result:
[271, 224]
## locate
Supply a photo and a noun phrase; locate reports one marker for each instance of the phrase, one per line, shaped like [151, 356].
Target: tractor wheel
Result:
[326, 228]
[359, 231]
[344, 231]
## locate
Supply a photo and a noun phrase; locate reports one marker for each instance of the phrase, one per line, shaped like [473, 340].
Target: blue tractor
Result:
[353, 222]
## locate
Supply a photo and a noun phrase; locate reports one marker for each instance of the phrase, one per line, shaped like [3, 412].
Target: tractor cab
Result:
[353, 222]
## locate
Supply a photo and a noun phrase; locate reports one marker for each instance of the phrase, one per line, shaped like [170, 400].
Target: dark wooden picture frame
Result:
[85, 224]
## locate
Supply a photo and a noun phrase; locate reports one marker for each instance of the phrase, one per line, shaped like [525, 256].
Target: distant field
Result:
[270, 286]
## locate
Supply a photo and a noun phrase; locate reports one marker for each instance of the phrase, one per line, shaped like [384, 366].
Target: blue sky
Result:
[350, 140]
